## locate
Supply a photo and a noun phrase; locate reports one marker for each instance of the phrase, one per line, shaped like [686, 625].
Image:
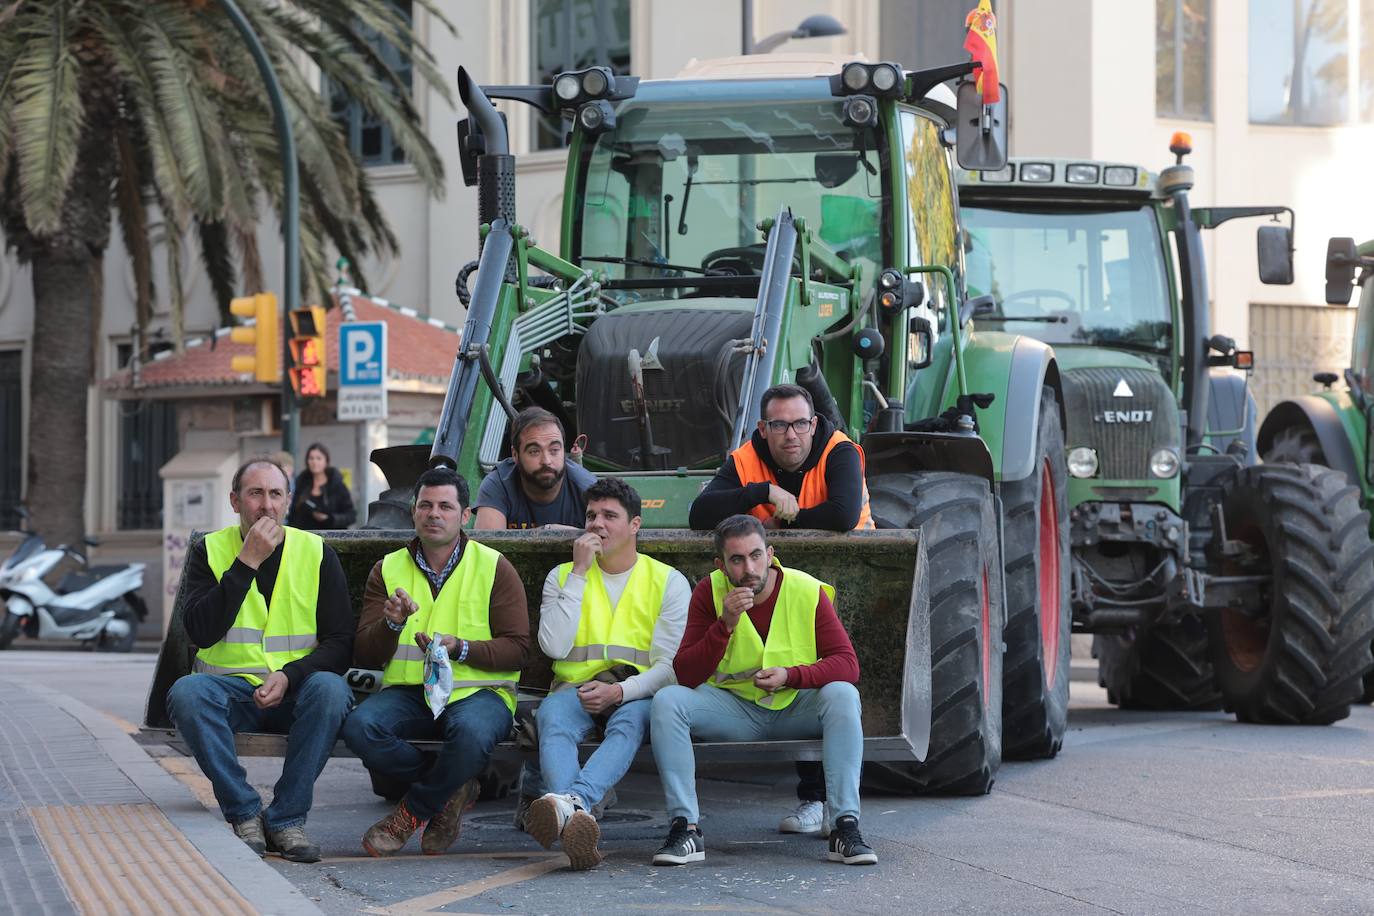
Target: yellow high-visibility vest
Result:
[608, 636]
[461, 609]
[791, 637]
[264, 639]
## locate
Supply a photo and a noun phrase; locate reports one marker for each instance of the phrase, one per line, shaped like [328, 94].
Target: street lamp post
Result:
[291, 217]
[818, 26]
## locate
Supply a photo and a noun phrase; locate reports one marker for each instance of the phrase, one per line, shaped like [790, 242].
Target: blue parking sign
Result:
[362, 370]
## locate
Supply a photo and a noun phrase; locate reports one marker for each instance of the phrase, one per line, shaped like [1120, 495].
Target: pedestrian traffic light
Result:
[307, 351]
[265, 363]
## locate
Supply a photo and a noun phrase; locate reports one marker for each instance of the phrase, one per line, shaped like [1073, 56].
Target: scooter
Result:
[97, 606]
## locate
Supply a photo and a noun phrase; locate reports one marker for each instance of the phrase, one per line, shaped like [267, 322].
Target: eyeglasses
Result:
[781, 426]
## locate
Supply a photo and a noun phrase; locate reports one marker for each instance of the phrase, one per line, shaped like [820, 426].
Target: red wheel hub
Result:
[1049, 573]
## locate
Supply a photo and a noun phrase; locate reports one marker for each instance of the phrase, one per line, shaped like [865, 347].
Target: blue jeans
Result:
[381, 728]
[563, 723]
[209, 709]
[708, 713]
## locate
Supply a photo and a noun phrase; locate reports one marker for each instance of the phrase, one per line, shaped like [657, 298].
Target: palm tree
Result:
[153, 109]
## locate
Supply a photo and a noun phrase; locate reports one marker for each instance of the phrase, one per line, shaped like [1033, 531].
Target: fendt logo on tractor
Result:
[1126, 416]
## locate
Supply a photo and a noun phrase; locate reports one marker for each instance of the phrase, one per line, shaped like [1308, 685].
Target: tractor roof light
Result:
[1119, 176]
[1164, 463]
[1082, 462]
[1081, 173]
[861, 111]
[1006, 173]
[884, 79]
[595, 117]
[1037, 172]
[574, 87]
[1181, 143]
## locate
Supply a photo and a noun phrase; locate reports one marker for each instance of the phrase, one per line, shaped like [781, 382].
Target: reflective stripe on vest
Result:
[461, 610]
[608, 636]
[751, 469]
[262, 639]
[791, 637]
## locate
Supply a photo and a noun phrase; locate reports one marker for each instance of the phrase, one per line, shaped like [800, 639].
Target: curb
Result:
[259, 883]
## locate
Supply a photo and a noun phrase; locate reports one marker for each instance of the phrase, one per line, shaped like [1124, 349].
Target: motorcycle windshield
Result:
[28, 547]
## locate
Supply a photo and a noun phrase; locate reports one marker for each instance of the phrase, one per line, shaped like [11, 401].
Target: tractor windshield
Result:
[677, 190]
[1094, 277]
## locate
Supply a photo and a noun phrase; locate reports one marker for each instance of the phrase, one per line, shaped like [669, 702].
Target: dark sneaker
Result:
[291, 843]
[443, 828]
[252, 833]
[390, 835]
[522, 812]
[847, 844]
[684, 844]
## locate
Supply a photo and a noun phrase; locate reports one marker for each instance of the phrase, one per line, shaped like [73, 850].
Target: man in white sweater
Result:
[611, 619]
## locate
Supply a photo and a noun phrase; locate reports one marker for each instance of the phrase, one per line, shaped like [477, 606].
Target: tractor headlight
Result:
[886, 77]
[854, 77]
[1164, 462]
[1083, 461]
[567, 87]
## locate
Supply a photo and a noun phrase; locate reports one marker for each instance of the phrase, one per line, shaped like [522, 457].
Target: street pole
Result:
[746, 26]
[286, 142]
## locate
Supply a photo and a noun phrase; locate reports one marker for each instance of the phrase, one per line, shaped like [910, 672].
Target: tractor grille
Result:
[1124, 430]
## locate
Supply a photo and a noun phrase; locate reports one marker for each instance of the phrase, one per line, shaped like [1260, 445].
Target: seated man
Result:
[764, 657]
[268, 608]
[441, 585]
[611, 619]
[795, 471]
[537, 486]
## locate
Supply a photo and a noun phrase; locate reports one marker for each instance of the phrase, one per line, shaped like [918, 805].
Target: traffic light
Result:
[265, 363]
[307, 351]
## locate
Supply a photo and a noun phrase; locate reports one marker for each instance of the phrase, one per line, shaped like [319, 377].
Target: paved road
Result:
[1141, 813]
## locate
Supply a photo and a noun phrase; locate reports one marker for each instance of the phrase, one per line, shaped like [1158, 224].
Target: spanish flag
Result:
[981, 42]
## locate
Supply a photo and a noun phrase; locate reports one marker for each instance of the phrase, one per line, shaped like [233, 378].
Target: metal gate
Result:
[1291, 342]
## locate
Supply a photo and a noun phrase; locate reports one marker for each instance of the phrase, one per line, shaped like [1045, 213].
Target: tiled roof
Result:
[419, 349]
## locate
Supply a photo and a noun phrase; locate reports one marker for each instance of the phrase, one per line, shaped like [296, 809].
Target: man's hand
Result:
[272, 691]
[785, 506]
[736, 602]
[263, 538]
[450, 643]
[597, 697]
[585, 551]
[771, 679]
[398, 607]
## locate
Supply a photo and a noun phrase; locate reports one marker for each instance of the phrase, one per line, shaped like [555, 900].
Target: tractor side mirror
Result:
[1341, 260]
[470, 146]
[981, 130]
[1275, 247]
[920, 344]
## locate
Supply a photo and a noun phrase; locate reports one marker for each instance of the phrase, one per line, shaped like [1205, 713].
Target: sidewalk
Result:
[90, 824]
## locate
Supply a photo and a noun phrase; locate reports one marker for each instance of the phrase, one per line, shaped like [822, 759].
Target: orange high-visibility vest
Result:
[751, 469]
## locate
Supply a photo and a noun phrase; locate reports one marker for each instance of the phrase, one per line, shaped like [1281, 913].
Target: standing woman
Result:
[321, 500]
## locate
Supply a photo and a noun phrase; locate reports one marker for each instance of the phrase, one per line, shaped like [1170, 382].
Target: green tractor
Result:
[1331, 428]
[731, 231]
[1205, 578]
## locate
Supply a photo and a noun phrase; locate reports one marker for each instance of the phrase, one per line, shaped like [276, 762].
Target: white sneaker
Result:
[548, 815]
[808, 818]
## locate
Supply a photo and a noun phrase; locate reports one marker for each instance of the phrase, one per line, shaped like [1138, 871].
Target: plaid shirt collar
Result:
[437, 579]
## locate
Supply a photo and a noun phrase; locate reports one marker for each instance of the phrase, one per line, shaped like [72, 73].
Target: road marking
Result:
[125, 725]
[187, 771]
[459, 892]
[1315, 793]
[447, 856]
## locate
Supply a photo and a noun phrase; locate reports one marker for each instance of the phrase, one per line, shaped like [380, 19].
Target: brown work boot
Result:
[443, 828]
[292, 844]
[251, 832]
[390, 835]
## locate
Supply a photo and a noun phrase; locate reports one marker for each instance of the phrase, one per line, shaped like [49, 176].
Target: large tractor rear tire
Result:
[1302, 657]
[958, 520]
[1035, 671]
[1299, 445]
[1163, 667]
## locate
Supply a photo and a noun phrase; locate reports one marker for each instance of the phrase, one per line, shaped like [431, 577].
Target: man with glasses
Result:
[796, 471]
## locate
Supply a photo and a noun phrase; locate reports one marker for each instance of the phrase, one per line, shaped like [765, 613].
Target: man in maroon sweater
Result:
[764, 656]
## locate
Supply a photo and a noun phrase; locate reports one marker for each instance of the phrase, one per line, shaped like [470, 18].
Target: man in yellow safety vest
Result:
[611, 619]
[442, 585]
[267, 605]
[764, 656]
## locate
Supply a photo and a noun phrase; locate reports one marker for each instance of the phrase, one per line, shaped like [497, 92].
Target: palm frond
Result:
[47, 114]
[132, 213]
[217, 258]
[250, 260]
[172, 239]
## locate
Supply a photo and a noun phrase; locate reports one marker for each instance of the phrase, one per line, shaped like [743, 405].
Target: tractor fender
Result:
[1013, 369]
[1324, 417]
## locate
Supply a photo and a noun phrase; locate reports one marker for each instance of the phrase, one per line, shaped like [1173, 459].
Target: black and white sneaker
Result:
[847, 844]
[684, 844]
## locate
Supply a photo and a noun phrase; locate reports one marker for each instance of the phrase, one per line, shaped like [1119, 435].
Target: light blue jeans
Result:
[708, 713]
[563, 723]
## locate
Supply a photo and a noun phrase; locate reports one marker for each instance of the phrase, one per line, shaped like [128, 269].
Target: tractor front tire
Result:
[1163, 667]
[1302, 657]
[958, 521]
[1035, 671]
